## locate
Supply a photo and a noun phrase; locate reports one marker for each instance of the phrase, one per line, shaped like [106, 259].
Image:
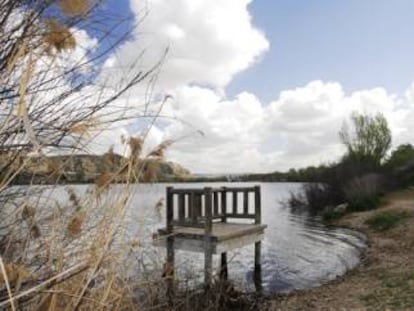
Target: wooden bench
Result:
[213, 221]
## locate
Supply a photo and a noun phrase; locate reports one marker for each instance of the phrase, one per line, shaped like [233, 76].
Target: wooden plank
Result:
[223, 267]
[215, 203]
[181, 207]
[235, 200]
[245, 202]
[224, 204]
[220, 231]
[196, 207]
[257, 205]
[241, 189]
[241, 216]
[169, 267]
[188, 223]
[258, 267]
[208, 255]
[188, 191]
[170, 208]
[198, 190]
[190, 206]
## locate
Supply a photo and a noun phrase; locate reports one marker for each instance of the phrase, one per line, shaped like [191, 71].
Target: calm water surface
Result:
[298, 250]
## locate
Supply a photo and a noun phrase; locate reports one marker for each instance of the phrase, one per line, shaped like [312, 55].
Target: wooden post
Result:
[245, 202]
[190, 206]
[257, 245]
[224, 273]
[235, 199]
[223, 265]
[208, 252]
[215, 203]
[257, 206]
[224, 204]
[181, 207]
[197, 207]
[169, 268]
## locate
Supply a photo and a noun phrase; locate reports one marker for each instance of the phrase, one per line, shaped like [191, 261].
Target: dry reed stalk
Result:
[21, 51]
[14, 273]
[60, 277]
[22, 111]
[6, 281]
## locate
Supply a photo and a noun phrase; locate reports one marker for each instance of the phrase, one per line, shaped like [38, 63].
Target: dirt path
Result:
[385, 278]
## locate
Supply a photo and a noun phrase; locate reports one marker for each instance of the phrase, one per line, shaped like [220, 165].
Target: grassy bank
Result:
[385, 278]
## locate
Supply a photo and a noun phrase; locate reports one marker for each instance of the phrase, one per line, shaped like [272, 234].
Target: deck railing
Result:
[202, 207]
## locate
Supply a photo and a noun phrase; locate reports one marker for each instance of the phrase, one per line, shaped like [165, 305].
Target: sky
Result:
[260, 86]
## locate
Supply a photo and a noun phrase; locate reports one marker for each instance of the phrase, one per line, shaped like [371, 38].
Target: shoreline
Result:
[383, 279]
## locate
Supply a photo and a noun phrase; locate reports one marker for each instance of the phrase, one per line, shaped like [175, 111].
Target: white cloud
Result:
[210, 42]
[299, 129]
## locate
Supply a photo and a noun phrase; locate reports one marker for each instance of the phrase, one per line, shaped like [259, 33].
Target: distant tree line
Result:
[365, 172]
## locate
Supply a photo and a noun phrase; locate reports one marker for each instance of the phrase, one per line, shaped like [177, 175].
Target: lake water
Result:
[298, 251]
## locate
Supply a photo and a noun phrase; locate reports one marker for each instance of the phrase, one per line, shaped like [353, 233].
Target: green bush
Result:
[386, 220]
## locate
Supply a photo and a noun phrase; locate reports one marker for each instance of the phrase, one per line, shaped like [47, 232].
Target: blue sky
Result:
[360, 43]
[269, 83]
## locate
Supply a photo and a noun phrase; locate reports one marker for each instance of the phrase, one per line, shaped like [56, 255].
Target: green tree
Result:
[403, 155]
[368, 140]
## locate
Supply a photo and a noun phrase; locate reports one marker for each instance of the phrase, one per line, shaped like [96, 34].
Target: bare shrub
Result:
[362, 193]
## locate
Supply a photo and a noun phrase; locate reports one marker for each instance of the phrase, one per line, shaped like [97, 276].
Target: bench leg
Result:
[223, 267]
[258, 266]
[169, 270]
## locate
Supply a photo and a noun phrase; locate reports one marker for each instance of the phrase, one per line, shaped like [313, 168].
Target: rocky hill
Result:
[89, 168]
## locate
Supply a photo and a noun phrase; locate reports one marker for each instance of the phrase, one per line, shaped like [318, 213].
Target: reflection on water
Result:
[298, 250]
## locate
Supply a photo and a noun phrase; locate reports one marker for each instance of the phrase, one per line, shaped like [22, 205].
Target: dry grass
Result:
[72, 251]
[61, 249]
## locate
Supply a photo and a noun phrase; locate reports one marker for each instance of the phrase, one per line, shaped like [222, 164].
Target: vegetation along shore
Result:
[385, 278]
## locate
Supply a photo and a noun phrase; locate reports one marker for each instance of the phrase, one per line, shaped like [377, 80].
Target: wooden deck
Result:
[224, 237]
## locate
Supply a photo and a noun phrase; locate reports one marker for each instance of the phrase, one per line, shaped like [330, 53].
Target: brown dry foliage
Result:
[28, 211]
[83, 128]
[103, 181]
[73, 198]
[35, 232]
[58, 37]
[135, 144]
[14, 273]
[75, 7]
[159, 151]
[149, 172]
[75, 224]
